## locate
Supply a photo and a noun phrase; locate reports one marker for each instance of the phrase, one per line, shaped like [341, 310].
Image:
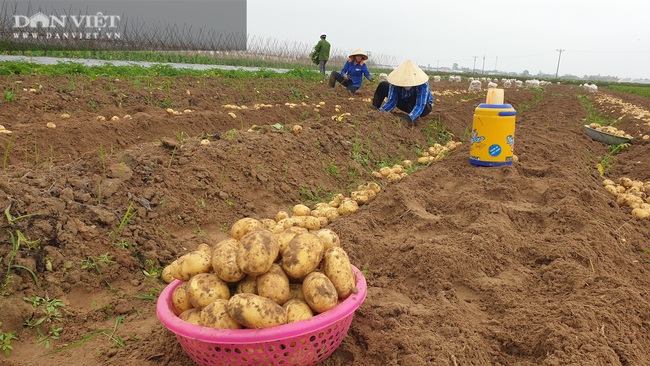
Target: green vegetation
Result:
[593, 115]
[436, 132]
[643, 91]
[93, 262]
[5, 340]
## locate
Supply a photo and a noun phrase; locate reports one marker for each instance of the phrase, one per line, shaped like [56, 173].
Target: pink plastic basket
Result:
[302, 343]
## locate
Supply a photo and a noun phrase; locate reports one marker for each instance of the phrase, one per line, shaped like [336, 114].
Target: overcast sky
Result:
[598, 37]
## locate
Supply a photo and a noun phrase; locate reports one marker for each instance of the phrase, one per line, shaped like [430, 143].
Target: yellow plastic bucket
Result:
[493, 135]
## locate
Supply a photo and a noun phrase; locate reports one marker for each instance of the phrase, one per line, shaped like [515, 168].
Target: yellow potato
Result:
[348, 206]
[281, 215]
[302, 256]
[216, 316]
[204, 248]
[329, 238]
[204, 288]
[247, 286]
[192, 316]
[274, 284]
[166, 274]
[285, 236]
[224, 261]
[254, 311]
[180, 301]
[244, 226]
[338, 269]
[301, 210]
[319, 292]
[295, 291]
[190, 264]
[257, 251]
[297, 310]
[312, 223]
[268, 224]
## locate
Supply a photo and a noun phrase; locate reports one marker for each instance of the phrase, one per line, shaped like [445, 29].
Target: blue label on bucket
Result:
[494, 150]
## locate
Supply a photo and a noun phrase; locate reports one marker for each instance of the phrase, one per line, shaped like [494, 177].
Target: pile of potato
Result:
[267, 273]
[631, 193]
[394, 173]
[610, 129]
[438, 152]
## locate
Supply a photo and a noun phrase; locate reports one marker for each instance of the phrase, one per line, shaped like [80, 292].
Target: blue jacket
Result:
[356, 72]
[422, 93]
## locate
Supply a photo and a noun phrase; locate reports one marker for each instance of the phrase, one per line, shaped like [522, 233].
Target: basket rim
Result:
[606, 134]
[248, 336]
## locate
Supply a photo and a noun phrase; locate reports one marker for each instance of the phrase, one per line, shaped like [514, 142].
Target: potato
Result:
[204, 248]
[224, 261]
[302, 256]
[257, 251]
[329, 238]
[295, 291]
[297, 310]
[331, 213]
[348, 206]
[191, 264]
[285, 236]
[274, 284]
[301, 210]
[281, 215]
[254, 311]
[180, 301]
[204, 288]
[192, 316]
[312, 223]
[268, 224]
[244, 226]
[319, 292]
[216, 316]
[323, 221]
[247, 286]
[338, 269]
[166, 274]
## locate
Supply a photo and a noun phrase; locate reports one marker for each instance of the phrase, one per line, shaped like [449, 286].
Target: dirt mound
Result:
[528, 264]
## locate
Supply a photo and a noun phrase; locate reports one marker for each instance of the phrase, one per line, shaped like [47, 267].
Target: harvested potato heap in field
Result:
[631, 193]
[264, 275]
[610, 129]
[438, 152]
[394, 173]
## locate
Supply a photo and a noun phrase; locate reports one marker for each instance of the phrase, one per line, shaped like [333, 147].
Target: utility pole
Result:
[438, 66]
[495, 63]
[483, 69]
[558, 61]
[474, 68]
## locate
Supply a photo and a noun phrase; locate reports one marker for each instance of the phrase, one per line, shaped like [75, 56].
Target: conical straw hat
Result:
[407, 74]
[359, 51]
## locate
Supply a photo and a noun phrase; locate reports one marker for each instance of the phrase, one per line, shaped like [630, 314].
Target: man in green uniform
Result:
[322, 49]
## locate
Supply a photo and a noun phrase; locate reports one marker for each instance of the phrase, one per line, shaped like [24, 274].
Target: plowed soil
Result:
[528, 264]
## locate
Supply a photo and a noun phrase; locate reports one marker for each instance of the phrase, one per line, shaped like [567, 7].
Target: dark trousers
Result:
[346, 83]
[405, 105]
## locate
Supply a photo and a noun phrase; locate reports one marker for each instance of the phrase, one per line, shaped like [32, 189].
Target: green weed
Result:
[91, 262]
[5, 341]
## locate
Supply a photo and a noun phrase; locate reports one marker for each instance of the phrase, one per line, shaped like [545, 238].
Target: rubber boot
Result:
[332, 81]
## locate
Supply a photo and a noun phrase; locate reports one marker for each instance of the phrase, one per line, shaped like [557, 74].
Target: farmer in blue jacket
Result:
[351, 76]
[407, 88]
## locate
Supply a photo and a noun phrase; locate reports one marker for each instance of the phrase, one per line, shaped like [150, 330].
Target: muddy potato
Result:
[192, 316]
[301, 210]
[191, 264]
[319, 292]
[281, 215]
[257, 251]
[312, 223]
[297, 310]
[274, 284]
[348, 206]
[224, 261]
[216, 316]
[180, 301]
[285, 236]
[166, 274]
[302, 256]
[338, 269]
[205, 288]
[329, 238]
[248, 285]
[268, 224]
[204, 248]
[295, 291]
[243, 226]
[254, 311]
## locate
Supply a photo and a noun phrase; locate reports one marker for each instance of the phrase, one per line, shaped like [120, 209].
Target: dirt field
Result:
[530, 264]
